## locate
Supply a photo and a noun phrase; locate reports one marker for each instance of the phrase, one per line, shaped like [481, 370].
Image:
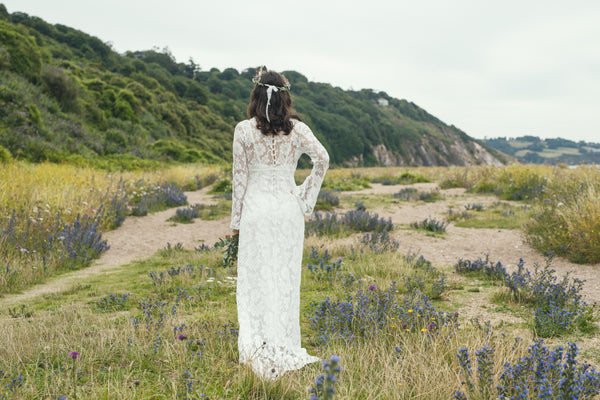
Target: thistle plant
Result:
[230, 246]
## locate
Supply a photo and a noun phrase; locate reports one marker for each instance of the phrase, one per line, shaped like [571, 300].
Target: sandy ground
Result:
[505, 245]
[141, 237]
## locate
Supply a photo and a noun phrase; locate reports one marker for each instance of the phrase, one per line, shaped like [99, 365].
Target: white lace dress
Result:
[271, 224]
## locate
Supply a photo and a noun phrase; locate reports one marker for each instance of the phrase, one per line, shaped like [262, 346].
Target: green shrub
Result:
[128, 96]
[5, 156]
[407, 178]
[25, 55]
[95, 84]
[115, 137]
[569, 226]
[196, 92]
[7, 94]
[192, 155]
[60, 85]
[354, 182]
[124, 111]
[520, 183]
[34, 115]
[222, 186]
[169, 148]
[148, 82]
[4, 58]
[139, 92]
[484, 186]
[95, 115]
[107, 101]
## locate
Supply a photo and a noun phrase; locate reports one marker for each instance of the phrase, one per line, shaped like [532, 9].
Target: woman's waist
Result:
[273, 176]
[271, 169]
[270, 185]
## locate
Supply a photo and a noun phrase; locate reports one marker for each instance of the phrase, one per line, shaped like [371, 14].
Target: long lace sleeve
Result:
[240, 177]
[308, 192]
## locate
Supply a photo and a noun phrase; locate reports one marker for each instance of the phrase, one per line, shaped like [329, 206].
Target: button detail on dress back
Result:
[273, 149]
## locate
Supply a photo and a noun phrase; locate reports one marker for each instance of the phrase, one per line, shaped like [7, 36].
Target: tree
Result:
[191, 69]
[4, 15]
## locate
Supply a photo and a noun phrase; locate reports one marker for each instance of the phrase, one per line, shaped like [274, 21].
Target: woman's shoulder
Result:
[300, 127]
[246, 123]
[245, 127]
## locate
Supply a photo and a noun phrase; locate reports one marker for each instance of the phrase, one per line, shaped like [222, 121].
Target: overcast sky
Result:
[510, 68]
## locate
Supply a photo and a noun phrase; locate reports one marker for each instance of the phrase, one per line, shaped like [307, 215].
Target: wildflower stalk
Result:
[74, 355]
[325, 384]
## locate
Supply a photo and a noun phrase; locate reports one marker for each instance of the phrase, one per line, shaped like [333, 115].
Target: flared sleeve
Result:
[308, 192]
[240, 176]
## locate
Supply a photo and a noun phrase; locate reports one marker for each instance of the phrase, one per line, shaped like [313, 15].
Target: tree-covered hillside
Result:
[66, 95]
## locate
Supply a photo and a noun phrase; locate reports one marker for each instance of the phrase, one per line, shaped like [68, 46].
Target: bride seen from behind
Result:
[268, 210]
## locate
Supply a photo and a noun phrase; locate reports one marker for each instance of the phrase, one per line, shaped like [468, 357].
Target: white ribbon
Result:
[270, 89]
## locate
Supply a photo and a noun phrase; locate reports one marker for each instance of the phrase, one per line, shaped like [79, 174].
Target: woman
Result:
[268, 213]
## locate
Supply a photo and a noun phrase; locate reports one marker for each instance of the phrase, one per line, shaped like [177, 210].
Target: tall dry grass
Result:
[52, 215]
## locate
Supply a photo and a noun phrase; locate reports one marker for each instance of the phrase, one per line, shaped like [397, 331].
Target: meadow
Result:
[389, 325]
[53, 215]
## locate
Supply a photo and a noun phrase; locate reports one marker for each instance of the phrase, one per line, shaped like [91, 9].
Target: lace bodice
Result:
[273, 158]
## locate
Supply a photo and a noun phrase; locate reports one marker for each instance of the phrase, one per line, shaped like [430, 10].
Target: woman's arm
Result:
[240, 178]
[308, 192]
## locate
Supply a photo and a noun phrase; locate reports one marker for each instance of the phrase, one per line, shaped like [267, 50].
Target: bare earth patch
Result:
[140, 237]
[505, 245]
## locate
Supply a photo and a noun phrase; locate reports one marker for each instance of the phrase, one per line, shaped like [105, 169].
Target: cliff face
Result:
[446, 151]
[436, 147]
[430, 152]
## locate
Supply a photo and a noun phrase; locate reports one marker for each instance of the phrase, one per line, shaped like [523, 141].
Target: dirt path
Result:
[505, 245]
[138, 238]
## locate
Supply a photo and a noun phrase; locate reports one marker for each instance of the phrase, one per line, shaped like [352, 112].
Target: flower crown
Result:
[256, 80]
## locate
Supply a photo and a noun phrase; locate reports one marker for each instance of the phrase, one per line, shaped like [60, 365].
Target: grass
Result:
[569, 225]
[499, 215]
[52, 216]
[135, 351]
[130, 346]
[370, 201]
[205, 212]
[135, 359]
[79, 190]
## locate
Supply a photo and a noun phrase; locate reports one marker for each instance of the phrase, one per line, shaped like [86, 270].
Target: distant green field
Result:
[519, 144]
[549, 153]
[521, 153]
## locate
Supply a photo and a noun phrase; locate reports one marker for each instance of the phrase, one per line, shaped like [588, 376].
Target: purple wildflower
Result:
[74, 355]
[181, 337]
[372, 287]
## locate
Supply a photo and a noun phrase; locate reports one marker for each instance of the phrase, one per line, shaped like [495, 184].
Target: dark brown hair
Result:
[280, 110]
